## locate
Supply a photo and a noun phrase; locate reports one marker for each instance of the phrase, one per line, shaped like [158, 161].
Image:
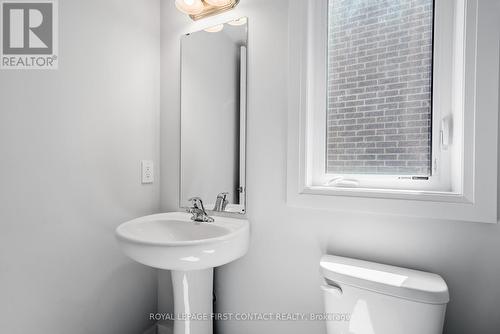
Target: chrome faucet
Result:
[198, 211]
[221, 202]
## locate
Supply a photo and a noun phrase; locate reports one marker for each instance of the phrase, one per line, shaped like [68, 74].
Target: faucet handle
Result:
[197, 203]
[198, 211]
[223, 195]
[195, 200]
[221, 202]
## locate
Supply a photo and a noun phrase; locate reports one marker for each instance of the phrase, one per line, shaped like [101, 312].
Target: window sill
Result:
[430, 205]
[416, 195]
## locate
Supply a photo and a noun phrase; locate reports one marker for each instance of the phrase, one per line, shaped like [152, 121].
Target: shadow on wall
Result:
[120, 291]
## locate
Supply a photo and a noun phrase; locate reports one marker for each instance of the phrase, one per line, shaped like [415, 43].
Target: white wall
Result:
[70, 145]
[280, 273]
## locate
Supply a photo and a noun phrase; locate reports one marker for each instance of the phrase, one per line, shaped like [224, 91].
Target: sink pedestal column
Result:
[193, 301]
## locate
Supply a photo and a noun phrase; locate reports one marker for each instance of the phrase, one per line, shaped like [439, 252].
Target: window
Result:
[379, 89]
[388, 86]
[394, 100]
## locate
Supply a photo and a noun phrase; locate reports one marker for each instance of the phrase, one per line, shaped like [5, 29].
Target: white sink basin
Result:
[173, 241]
[191, 251]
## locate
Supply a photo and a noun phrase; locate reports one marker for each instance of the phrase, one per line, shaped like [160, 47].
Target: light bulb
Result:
[216, 28]
[218, 3]
[238, 22]
[190, 7]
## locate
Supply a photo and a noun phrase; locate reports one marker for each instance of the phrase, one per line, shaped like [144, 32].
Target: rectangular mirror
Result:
[213, 117]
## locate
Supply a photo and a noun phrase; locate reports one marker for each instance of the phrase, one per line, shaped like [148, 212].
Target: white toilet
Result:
[369, 298]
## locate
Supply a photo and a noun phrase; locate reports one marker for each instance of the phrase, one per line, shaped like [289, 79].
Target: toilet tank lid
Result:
[399, 282]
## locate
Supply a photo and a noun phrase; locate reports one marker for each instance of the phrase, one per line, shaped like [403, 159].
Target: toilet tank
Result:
[363, 297]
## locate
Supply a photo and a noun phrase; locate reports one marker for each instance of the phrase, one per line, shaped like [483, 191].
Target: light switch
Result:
[148, 174]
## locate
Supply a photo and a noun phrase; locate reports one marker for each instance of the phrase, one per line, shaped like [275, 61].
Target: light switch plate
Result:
[147, 170]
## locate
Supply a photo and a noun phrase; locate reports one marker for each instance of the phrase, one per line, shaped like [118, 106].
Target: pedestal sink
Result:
[190, 250]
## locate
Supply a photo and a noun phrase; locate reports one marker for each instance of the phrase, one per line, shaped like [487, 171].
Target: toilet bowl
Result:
[369, 298]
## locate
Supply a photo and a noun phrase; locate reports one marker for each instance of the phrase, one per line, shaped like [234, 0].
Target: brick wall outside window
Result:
[379, 87]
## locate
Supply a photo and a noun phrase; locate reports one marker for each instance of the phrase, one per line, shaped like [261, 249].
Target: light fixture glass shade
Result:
[190, 7]
[216, 28]
[218, 3]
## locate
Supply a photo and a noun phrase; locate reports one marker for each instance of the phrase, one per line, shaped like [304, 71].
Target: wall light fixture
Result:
[198, 9]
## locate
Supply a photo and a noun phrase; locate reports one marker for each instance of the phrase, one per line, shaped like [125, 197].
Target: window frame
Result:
[438, 180]
[471, 195]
